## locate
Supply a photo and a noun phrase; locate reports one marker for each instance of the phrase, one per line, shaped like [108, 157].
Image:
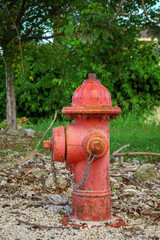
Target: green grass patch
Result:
[133, 130]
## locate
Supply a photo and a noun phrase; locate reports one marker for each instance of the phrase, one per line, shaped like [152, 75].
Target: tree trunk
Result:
[11, 101]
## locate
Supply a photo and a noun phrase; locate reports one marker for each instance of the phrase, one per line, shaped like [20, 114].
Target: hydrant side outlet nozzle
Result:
[47, 144]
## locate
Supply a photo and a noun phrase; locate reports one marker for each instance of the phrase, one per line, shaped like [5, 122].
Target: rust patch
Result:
[91, 209]
[97, 146]
[80, 208]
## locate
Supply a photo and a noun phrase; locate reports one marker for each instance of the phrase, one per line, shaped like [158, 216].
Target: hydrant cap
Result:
[91, 94]
[91, 98]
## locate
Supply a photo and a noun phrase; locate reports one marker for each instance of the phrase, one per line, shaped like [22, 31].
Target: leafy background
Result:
[85, 41]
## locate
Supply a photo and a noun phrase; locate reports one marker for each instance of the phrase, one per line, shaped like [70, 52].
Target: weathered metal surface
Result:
[59, 144]
[89, 133]
[115, 222]
[91, 98]
[47, 144]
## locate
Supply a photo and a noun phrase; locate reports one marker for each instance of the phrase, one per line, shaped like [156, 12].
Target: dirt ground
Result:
[32, 205]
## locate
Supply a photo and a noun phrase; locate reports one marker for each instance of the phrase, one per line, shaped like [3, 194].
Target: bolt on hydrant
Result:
[84, 146]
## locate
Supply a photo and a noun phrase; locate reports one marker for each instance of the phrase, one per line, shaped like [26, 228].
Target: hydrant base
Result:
[115, 222]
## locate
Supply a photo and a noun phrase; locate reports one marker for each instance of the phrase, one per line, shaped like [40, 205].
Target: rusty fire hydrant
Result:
[84, 146]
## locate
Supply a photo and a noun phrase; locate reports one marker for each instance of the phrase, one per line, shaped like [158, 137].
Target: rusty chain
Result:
[89, 161]
[53, 170]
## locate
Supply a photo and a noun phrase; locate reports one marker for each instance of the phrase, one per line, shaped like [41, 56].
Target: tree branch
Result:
[22, 10]
[19, 37]
[117, 151]
[45, 37]
[35, 225]
[137, 154]
[112, 6]
[118, 11]
[145, 13]
[127, 14]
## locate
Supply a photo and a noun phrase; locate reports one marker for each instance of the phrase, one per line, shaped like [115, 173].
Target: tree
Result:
[101, 17]
[23, 21]
[20, 22]
[128, 69]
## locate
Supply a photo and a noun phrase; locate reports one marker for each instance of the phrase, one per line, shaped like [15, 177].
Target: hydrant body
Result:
[84, 145]
[91, 202]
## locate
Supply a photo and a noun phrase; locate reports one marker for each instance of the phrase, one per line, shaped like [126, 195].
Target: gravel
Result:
[24, 210]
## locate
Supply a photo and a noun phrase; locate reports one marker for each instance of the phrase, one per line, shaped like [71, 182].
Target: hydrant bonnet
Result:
[91, 98]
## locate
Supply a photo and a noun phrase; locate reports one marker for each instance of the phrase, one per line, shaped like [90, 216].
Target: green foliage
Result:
[128, 69]
[91, 43]
[154, 32]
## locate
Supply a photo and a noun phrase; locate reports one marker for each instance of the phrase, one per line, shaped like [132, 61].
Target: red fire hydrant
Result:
[84, 145]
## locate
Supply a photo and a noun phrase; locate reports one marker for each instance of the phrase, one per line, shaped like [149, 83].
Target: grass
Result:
[133, 130]
[130, 129]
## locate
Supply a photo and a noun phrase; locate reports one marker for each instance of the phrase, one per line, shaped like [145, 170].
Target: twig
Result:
[55, 115]
[157, 219]
[26, 158]
[117, 151]
[118, 11]
[137, 153]
[35, 152]
[129, 169]
[135, 224]
[127, 14]
[19, 213]
[130, 180]
[156, 209]
[35, 225]
[145, 13]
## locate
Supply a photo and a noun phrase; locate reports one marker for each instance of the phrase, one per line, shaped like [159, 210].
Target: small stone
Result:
[3, 183]
[58, 200]
[146, 172]
[38, 172]
[19, 132]
[29, 132]
[68, 192]
[12, 132]
[113, 180]
[130, 191]
[129, 187]
[49, 183]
